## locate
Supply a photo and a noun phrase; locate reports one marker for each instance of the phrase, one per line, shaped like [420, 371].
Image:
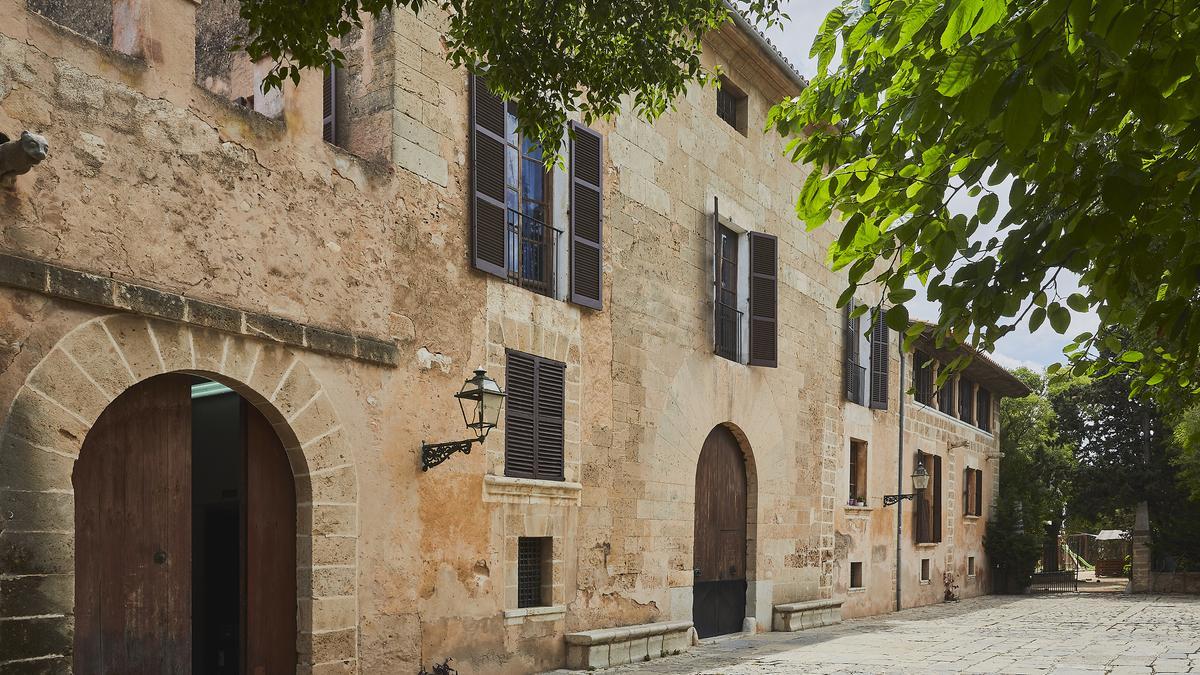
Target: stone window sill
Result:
[550, 613]
[530, 491]
[928, 544]
[848, 507]
[857, 589]
[970, 518]
[925, 582]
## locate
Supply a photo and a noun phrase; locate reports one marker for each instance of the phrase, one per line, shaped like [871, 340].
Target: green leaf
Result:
[1036, 318]
[901, 295]
[987, 207]
[959, 73]
[1078, 303]
[962, 17]
[1060, 318]
[1132, 356]
[1155, 379]
[896, 318]
[989, 15]
[1022, 118]
[1126, 29]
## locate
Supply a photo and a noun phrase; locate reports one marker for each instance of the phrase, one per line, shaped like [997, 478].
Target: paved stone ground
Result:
[1085, 633]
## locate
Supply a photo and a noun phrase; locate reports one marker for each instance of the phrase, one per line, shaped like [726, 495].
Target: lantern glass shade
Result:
[920, 478]
[480, 399]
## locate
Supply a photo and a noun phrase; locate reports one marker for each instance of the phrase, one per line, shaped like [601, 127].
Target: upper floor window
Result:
[865, 359]
[745, 266]
[945, 396]
[512, 230]
[966, 400]
[533, 420]
[983, 409]
[973, 492]
[858, 473]
[922, 378]
[731, 105]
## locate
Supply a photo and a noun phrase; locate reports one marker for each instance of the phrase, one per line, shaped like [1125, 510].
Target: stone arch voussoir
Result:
[65, 394]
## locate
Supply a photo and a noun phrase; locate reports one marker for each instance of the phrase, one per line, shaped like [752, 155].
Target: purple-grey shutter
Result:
[551, 383]
[937, 498]
[587, 217]
[764, 299]
[520, 415]
[879, 362]
[968, 480]
[979, 492]
[488, 241]
[850, 360]
[921, 508]
[329, 106]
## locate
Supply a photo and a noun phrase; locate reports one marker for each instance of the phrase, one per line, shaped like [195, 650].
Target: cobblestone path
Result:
[1083, 633]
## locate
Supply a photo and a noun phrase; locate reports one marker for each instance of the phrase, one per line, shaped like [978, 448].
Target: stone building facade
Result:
[321, 260]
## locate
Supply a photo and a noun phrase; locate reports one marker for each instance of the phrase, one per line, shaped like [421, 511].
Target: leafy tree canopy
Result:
[554, 57]
[1088, 108]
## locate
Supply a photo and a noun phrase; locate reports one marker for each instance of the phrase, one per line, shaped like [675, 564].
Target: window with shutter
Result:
[969, 487]
[966, 400]
[587, 217]
[728, 318]
[979, 492]
[489, 240]
[945, 396]
[533, 422]
[329, 105]
[922, 511]
[853, 373]
[879, 362]
[936, 497]
[922, 378]
[764, 300]
[983, 409]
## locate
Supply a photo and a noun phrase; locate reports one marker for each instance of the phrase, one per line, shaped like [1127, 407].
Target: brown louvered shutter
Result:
[488, 241]
[764, 299]
[979, 492]
[587, 217]
[921, 506]
[520, 417]
[937, 498]
[329, 106]
[879, 362]
[551, 382]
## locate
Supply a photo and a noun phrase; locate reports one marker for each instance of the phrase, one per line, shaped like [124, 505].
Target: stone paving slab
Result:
[1087, 633]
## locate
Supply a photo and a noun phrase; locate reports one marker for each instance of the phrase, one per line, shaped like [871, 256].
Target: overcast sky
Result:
[1020, 347]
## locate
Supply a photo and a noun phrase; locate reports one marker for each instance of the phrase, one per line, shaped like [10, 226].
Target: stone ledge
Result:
[549, 613]
[101, 291]
[627, 644]
[794, 616]
[530, 491]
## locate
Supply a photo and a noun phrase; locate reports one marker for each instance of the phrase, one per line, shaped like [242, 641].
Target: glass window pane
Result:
[533, 180]
[510, 123]
[510, 167]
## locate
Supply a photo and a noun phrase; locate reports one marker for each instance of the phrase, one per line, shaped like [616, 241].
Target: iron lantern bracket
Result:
[433, 454]
[889, 500]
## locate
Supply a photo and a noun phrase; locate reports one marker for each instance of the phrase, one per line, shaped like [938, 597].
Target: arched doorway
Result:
[185, 535]
[719, 586]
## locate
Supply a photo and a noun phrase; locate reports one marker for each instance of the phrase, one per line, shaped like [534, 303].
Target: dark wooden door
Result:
[270, 551]
[133, 534]
[719, 590]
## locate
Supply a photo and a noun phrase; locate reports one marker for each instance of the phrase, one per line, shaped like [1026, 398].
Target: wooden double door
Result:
[185, 537]
[719, 586]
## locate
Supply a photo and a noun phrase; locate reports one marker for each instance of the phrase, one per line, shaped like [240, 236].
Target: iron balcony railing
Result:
[532, 253]
[856, 381]
[729, 330]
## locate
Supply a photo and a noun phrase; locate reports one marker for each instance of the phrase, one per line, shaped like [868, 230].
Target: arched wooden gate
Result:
[719, 587]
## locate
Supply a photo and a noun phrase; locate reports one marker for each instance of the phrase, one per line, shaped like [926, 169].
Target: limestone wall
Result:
[156, 181]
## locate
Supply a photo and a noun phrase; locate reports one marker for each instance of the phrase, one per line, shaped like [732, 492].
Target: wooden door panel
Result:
[270, 551]
[133, 533]
[720, 536]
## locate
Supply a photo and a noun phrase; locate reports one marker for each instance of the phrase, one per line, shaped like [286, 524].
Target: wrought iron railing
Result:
[856, 381]
[532, 253]
[729, 331]
[1066, 581]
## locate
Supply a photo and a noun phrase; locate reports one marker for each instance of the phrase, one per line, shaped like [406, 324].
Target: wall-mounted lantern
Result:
[480, 399]
[920, 481]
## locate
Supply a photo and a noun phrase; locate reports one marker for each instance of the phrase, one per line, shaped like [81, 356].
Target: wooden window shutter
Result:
[921, 508]
[937, 498]
[764, 299]
[533, 421]
[979, 492]
[520, 416]
[968, 482]
[850, 341]
[587, 217]
[879, 362]
[489, 245]
[329, 105]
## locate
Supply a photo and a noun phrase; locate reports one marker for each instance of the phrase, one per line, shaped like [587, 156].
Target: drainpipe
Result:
[900, 477]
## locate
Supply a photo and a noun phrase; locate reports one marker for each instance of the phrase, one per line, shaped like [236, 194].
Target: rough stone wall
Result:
[153, 179]
[92, 19]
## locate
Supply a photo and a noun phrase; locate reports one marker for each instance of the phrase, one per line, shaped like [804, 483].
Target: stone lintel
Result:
[62, 282]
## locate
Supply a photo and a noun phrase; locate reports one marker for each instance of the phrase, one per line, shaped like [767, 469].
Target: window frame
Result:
[923, 366]
[860, 585]
[732, 105]
[723, 290]
[534, 418]
[535, 574]
[858, 465]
